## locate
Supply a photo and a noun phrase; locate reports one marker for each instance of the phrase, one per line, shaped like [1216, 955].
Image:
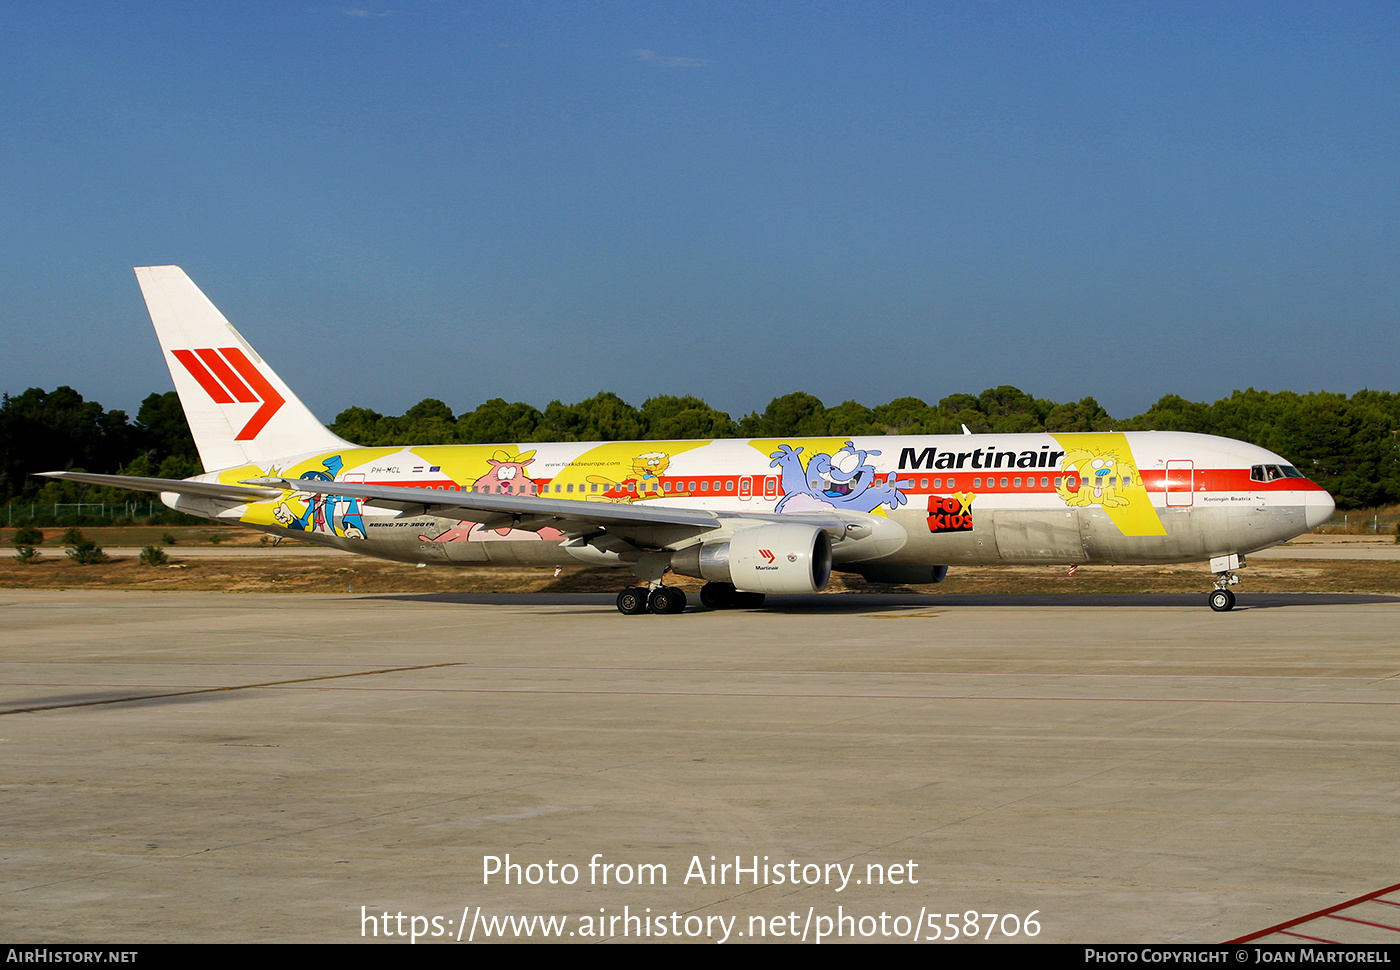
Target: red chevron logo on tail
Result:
[229, 377]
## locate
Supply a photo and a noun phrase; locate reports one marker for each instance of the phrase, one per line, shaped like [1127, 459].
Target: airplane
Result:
[750, 517]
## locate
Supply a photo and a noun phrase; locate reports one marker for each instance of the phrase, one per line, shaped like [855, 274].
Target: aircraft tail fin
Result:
[239, 410]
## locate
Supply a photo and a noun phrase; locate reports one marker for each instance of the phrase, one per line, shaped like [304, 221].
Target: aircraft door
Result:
[1180, 484]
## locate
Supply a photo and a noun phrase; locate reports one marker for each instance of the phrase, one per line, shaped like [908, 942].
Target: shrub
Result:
[74, 537]
[87, 553]
[27, 554]
[154, 556]
[27, 535]
[167, 538]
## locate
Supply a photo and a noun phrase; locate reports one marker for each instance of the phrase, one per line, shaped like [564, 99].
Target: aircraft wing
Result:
[238, 493]
[617, 527]
[613, 526]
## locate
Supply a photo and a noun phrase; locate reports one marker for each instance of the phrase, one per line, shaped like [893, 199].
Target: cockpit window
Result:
[1272, 473]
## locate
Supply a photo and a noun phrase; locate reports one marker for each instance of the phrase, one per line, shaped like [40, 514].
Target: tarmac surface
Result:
[216, 767]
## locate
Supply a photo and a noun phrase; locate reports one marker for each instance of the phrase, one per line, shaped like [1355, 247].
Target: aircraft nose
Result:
[1318, 508]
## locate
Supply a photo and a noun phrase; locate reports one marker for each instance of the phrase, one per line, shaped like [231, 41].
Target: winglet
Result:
[239, 410]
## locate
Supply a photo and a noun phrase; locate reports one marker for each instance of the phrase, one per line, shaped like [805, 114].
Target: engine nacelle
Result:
[778, 558]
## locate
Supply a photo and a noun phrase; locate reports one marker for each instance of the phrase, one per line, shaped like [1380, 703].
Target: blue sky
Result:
[538, 200]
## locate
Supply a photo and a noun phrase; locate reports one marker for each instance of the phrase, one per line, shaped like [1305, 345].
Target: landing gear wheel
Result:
[632, 601]
[717, 596]
[666, 599]
[1222, 600]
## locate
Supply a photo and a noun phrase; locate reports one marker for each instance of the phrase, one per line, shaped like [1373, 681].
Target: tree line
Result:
[1347, 444]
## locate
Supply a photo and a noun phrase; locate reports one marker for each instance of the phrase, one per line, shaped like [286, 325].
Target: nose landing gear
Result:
[1222, 598]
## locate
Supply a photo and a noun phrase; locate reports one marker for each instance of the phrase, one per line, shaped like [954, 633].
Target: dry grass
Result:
[282, 574]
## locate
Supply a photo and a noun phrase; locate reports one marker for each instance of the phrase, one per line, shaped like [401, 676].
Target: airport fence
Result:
[1363, 522]
[94, 513]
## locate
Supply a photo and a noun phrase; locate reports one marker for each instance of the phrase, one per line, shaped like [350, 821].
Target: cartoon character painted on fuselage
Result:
[649, 468]
[508, 476]
[336, 515]
[841, 481]
[1101, 475]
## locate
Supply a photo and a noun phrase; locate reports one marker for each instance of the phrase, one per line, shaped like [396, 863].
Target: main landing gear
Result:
[636, 600]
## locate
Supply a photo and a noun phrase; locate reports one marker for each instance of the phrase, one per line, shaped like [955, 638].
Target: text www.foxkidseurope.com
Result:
[810, 926]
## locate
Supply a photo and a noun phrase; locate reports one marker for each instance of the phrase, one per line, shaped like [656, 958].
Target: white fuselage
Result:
[1141, 497]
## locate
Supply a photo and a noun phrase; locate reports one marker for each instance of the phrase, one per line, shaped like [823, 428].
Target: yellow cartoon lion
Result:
[1098, 477]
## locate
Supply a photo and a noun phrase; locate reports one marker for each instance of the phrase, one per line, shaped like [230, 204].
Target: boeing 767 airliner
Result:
[748, 516]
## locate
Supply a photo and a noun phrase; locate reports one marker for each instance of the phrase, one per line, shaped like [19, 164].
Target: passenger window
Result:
[977, 483]
[1018, 482]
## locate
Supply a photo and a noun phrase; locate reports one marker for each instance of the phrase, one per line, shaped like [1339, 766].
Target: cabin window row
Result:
[701, 487]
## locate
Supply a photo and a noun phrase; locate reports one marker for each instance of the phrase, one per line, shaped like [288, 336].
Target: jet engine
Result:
[778, 558]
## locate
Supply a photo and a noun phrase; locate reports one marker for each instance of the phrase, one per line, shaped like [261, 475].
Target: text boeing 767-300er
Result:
[749, 516]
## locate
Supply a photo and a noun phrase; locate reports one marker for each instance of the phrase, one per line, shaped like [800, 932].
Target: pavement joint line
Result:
[214, 690]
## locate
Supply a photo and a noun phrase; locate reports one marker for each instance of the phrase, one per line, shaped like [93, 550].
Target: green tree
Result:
[429, 422]
[360, 425]
[796, 415]
[679, 418]
[1083, 415]
[851, 418]
[499, 421]
[162, 430]
[43, 431]
[603, 417]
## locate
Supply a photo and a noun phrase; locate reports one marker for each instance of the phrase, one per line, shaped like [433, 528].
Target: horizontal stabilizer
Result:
[179, 486]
